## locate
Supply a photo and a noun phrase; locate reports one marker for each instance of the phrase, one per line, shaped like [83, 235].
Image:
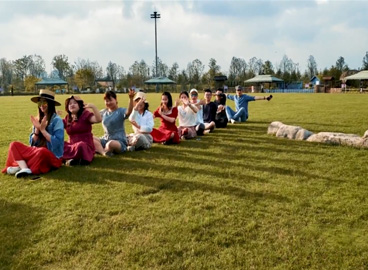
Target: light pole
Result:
[155, 16]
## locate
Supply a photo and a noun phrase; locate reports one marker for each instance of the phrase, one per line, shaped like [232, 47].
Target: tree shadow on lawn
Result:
[173, 184]
[249, 164]
[264, 143]
[17, 223]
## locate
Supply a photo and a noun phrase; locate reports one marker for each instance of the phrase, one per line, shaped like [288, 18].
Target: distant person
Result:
[167, 133]
[209, 112]
[114, 138]
[241, 105]
[142, 122]
[46, 141]
[199, 103]
[221, 117]
[80, 148]
[187, 114]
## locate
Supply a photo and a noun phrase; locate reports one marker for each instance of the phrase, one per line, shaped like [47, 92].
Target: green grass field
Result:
[234, 199]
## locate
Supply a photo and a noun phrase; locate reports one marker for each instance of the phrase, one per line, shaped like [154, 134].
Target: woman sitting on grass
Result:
[167, 133]
[80, 149]
[221, 117]
[142, 122]
[46, 140]
[187, 117]
[113, 117]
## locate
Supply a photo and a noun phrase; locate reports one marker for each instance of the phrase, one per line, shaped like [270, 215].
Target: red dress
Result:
[163, 133]
[39, 159]
[80, 144]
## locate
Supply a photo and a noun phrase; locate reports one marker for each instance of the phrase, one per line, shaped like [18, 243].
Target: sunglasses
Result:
[194, 95]
[41, 102]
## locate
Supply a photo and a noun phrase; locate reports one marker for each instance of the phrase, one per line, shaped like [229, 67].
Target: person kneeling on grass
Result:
[142, 123]
[46, 140]
[80, 149]
[113, 117]
[241, 105]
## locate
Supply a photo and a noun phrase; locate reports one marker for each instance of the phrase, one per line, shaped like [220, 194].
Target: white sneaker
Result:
[131, 148]
[12, 170]
[23, 173]
[232, 121]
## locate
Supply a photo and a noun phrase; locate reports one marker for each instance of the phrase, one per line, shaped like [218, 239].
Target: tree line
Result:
[22, 74]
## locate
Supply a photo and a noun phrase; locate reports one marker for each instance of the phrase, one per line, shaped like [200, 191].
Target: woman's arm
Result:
[130, 106]
[96, 118]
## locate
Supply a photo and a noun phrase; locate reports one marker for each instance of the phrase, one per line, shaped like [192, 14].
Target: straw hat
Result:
[141, 95]
[46, 94]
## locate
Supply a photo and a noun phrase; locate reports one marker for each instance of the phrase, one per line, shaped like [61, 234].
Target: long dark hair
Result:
[50, 112]
[222, 98]
[146, 106]
[169, 103]
[79, 113]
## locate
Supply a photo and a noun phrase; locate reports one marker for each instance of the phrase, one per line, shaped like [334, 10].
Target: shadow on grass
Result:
[17, 223]
[171, 184]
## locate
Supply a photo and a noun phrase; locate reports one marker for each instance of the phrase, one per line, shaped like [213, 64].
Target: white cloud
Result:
[123, 32]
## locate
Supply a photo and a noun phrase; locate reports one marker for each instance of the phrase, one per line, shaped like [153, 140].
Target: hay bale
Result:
[365, 134]
[303, 134]
[286, 131]
[336, 138]
[274, 127]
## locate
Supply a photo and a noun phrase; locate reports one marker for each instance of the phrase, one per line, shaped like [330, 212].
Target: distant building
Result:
[314, 81]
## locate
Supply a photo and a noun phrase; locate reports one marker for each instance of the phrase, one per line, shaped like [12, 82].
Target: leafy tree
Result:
[267, 68]
[31, 65]
[36, 66]
[311, 67]
[341, 65]
[112, 70]
[365, 62]
[6, 73]
[84, 78]
[21, 66]
[195, 71]
[173, 72]
[86, 72]
[61, 64]
[183, 79]
[237, 70]
[214, 69]
[29, 83]
[138, 73]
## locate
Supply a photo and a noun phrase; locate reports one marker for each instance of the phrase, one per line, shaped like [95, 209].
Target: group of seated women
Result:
[48, 151]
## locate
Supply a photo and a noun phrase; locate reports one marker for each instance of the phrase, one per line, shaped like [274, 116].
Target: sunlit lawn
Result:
[234, 199]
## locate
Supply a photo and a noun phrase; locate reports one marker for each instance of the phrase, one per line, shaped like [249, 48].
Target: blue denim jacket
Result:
[56, 130]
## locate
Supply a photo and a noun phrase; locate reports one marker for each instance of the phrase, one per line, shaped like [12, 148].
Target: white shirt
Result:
[187, 118]
[145, 121]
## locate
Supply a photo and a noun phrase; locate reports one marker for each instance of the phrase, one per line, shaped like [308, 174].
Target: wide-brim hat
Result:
[46, 94]
[140, 95]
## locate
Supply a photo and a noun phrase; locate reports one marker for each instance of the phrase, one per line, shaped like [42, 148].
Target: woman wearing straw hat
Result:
[46, 140]
[80, 149]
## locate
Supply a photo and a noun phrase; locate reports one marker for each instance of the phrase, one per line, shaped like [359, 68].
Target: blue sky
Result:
[123, 32]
